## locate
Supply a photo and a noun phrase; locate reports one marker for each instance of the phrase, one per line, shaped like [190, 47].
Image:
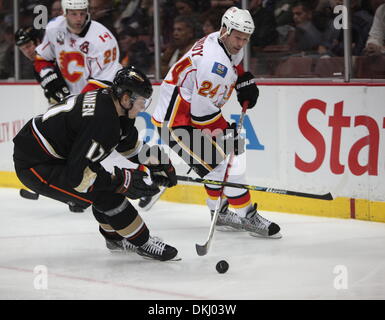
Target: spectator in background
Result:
[102, 12]
[225, 4]
[6, 48]
[282, 12]
[376, 42]
[211, 20]
[185, 7]
[184, 36]
[132, 15]
[133, 50]
[333, 42]
[374, 4]
[265, 26]
[306, 36]
[56, 9]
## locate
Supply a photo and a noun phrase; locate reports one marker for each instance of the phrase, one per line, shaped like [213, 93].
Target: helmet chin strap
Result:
[224, 45]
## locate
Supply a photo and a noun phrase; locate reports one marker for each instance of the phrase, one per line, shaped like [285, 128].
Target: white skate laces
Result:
[128, 246]
[120, 245]
[154, 246]
[254, 223]
[227, 219]
[156, 249]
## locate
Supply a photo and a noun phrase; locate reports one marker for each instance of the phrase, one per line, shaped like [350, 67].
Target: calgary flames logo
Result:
[65, 59]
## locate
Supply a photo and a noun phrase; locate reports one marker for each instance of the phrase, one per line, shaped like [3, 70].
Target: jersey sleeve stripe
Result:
[98, 83]
[46, 146]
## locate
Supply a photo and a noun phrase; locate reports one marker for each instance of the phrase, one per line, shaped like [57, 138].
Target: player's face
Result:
[28, 49]
[235, 41]
[76, 20]
[134, 104]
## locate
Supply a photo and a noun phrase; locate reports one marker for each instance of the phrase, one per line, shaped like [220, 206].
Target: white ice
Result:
[317, 258]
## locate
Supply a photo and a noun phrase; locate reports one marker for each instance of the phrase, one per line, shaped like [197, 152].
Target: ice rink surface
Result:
[317, 258]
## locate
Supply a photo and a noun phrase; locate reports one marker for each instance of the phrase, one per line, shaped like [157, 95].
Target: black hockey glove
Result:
[130, 182]
[163, 175]
[232, 141]
[161, 168]
[55, 88]
[247, 90]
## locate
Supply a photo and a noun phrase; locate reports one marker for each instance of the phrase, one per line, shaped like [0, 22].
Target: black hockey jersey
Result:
[80, 132]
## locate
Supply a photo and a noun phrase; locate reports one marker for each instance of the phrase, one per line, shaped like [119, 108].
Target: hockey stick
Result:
[326, 196]
[203, 249]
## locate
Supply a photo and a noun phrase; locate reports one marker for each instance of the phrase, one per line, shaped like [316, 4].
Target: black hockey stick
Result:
[28, 194]
[203, 249]
[326, 196]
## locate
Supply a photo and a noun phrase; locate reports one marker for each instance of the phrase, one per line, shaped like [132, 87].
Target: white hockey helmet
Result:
[237, 19]
[74, 5]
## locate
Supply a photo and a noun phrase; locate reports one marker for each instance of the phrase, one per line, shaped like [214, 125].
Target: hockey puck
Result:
[222, 266]
[28, 194]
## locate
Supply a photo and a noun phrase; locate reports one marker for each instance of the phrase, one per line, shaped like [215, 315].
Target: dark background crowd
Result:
[292, 38]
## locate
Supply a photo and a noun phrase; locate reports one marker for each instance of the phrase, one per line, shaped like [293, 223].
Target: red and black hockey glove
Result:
[247, 90]
[131, 183]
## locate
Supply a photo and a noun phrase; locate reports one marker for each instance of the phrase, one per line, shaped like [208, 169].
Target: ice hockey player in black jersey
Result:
[58, 155]
[27, 39]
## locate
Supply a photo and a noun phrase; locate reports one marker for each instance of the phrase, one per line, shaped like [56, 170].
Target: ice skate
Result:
[120, 246]
[259, 226]
[146, 203]
[227, 219]
[156, 249]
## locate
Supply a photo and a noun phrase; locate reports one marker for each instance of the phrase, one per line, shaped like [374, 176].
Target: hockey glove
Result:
[161, 168]
[130, 182]
[247, 90]
[55, 88]
[163, 175]
[233, 141]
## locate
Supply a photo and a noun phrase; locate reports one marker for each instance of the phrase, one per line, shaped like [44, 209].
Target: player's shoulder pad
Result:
[98, 30]
[56, 23]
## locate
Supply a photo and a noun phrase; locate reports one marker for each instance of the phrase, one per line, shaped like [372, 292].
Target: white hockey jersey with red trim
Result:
[197, 86]
[83, 59]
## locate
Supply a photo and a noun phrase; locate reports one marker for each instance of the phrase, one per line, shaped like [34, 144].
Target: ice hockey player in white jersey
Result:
[85, 51]
[191, 99]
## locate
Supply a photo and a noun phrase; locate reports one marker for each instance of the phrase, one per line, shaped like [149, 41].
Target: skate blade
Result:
[117, 251]
[228, 229]
[153, 259]
[278, 235]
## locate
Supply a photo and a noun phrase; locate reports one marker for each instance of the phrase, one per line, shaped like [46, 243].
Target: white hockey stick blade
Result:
[203, 249]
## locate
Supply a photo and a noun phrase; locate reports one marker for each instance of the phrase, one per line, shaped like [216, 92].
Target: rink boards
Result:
[315, 138]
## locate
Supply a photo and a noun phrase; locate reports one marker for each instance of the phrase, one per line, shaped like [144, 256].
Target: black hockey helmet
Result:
[134, 82]
[24, 35]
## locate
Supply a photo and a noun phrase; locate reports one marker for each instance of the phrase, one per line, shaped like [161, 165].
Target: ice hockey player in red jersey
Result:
[190, 106]
[58, 154]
